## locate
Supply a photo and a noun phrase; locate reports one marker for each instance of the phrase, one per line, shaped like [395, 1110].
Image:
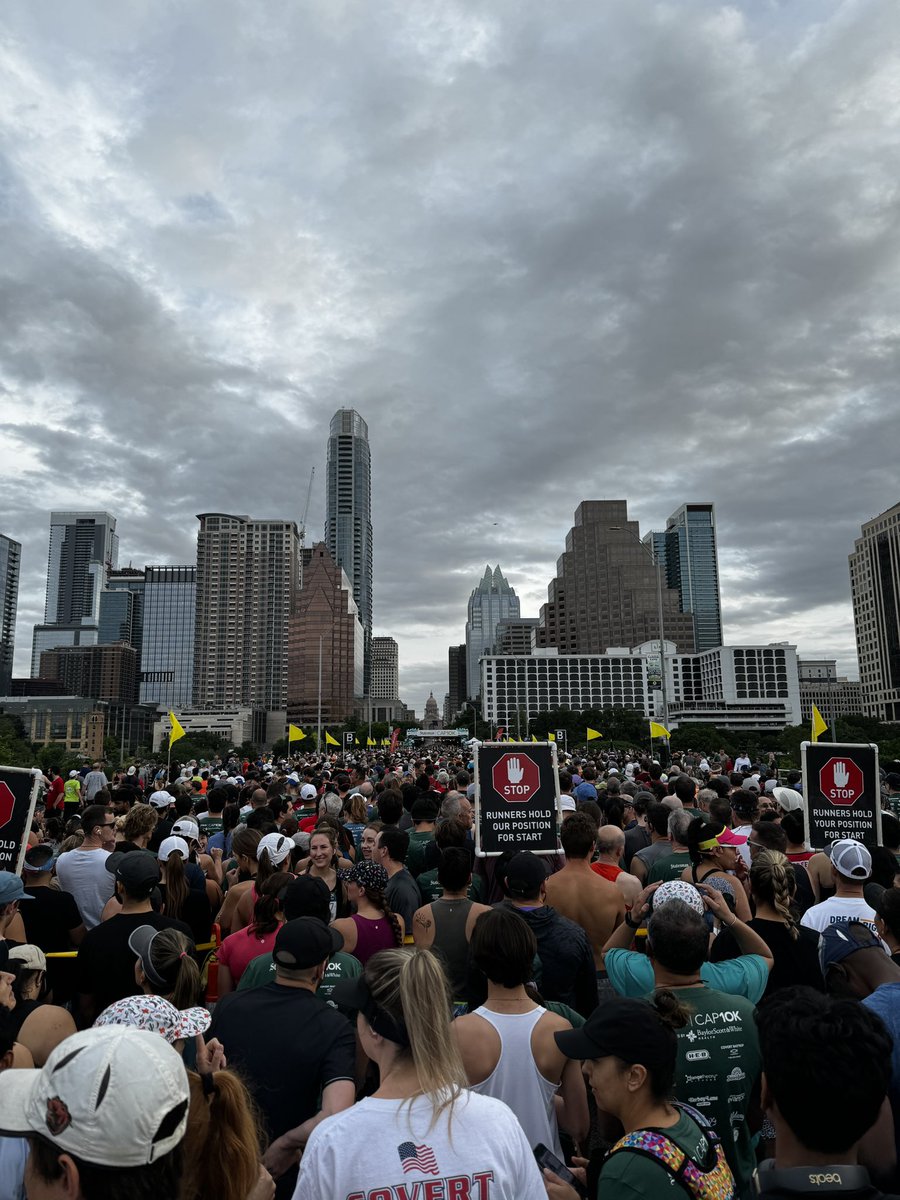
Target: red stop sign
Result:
[516, 778]
[841, 781]
[7, 804]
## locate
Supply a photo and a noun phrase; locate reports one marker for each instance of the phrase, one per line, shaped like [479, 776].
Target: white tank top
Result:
[517, 1081]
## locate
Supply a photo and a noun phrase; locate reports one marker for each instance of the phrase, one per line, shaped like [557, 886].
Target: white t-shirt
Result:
[84, 874]
[377, 1147]
[838, 908]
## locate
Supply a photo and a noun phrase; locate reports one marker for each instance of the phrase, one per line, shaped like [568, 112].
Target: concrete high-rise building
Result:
[688, 553]
[605, 593]
[10, 565]
[325, 633]
[348, 514]
[167, 636]
[84, 548]
[491, 602]
[94, 672]
[457, 679]
[247, 582]
[385, 669]
[833, 695]
[875, 591]
[516, 636]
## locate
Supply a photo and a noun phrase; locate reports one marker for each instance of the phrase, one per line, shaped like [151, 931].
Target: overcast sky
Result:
[550, 252]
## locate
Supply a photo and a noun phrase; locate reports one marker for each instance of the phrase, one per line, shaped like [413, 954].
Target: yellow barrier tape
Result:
[74, 953]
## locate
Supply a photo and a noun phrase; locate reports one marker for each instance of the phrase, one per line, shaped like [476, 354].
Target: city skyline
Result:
[538, 281]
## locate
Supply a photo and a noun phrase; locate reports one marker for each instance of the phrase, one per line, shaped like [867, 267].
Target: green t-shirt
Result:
[718, 1068]
[211, 824]
[415, 855]
[431, 890]
[631, 1176]
[670, 866]
[71, 791]
[341, 965]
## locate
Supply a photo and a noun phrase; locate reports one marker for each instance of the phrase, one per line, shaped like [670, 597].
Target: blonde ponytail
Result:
[412, 988]
[772, 881]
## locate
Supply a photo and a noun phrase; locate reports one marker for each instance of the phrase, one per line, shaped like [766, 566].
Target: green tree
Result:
[15, 750]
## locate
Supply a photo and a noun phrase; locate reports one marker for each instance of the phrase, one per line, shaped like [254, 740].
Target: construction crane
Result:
[303, 521]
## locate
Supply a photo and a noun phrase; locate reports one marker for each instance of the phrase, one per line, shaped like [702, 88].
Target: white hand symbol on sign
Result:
[841, 775]
[514, 772]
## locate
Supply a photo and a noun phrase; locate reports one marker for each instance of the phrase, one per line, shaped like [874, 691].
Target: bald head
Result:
[610, 841]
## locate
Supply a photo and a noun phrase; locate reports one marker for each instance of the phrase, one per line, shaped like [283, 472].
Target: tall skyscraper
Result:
[875, 591]
[247, 581]
[491, 602]
[10, 564]
[458, 690]
[167, 636]
[348, 514]
[605, 591]
[689, 557]
[84, 548]
[385, 669]
[325, 635]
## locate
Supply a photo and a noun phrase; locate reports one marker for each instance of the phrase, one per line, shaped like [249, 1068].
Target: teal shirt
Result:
[631, 974]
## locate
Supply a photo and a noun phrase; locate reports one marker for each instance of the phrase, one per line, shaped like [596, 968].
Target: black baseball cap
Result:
[304, 942]
[424, 809]
[525, 873]
[631, 1030]
[136, 870]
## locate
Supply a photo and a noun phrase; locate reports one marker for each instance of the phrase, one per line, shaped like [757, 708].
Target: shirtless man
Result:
[586, 898]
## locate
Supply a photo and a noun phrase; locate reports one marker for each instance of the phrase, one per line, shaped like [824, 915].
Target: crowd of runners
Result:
[239, 980]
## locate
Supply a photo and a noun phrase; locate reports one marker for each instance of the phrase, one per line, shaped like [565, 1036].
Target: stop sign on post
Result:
[516, 778]
[841, 781]
[18, 795]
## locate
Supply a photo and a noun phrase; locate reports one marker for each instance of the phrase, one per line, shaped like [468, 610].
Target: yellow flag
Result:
[657, 730]
[329, 740]
[533, 738]
[177, 731]
[370, 741]
[551, 737]
[592, 733]
[819, 724]
[295, 734]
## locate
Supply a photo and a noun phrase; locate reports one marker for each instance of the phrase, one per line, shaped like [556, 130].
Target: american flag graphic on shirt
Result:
[417, 1158]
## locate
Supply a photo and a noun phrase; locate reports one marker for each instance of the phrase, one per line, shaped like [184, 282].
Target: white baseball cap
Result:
[850, 858]
[788, 799]
[187, 828]
[307, 792]
[173, 845]
[277, 845]
[567, 804]
[114, 1096]
[160, 799]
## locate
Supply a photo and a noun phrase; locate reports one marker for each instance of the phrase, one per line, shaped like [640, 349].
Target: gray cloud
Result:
[645, 251]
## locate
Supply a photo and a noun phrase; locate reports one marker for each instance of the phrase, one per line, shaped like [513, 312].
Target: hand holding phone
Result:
[548, 1161]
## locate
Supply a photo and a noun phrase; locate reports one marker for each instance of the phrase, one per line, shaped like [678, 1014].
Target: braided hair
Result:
[772, 881]
[377, 898]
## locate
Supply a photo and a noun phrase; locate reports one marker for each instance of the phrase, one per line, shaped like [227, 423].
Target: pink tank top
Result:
[372, 936]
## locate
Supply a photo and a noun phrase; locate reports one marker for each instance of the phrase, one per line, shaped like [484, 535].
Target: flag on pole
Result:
[533, 738]
[177, 730]
[370, 741]
[657, 730]
[551, 737]
[329, 740]
[295, 734]
[819, 727]
[592, 734]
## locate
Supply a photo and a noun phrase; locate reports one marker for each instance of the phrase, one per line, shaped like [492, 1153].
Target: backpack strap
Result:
[714, 1182]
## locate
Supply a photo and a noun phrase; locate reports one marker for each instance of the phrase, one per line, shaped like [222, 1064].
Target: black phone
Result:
[546, 1158]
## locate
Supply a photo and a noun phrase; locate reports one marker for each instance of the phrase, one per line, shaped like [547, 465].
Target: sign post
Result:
[516, 798]
[842, 789]
[348, 739]
[19, 787]
[561, 738]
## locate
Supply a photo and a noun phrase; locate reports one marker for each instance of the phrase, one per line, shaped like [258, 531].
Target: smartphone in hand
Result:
[546, 1158]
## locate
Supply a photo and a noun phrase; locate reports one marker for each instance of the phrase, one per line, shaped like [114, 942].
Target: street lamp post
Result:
[659, 605]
